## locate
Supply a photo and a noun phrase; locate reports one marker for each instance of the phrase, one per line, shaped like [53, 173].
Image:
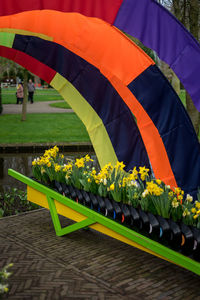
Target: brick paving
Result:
[84, 265]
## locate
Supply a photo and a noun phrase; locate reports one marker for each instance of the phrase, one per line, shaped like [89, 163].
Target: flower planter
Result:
[117, 211]
[187, 243]
[101, 205]
[126, 215]
[145, 225]
[175, 235]
[154, 226]
[165, 233]
[196, 247]
[135, 218]
[94, 201]
[84, 216]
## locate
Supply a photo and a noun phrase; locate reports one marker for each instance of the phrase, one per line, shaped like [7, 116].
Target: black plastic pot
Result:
[65, 190]
[145, 226]
[165, 233]
[79, 196]
[117, 212]
[58, 187]
[94, 202]
[86, 198]
[175, 235]
[72, 192]
[126, 215]
[187, 243]
[196, 247]
[101, 205]
[135, 218]
[154, 226]
[109, 208]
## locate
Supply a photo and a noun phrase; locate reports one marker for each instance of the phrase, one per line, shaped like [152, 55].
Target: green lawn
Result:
[60, 105]
[9, 95]
[42, 128]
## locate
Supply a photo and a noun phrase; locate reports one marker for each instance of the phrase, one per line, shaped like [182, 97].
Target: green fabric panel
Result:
[94, 125]
[25, 32]
[6, 39]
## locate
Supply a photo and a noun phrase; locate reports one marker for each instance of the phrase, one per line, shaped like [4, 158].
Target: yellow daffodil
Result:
[197, 204]
[175, 203]
[112, 187]
[79, 163]
[145, 193]
[189, 198]
[88, 158]
[143, 173]
[195, 217]
[186, 213]
[119, 165]
[158, 181]
[57, 167]
[193, 210]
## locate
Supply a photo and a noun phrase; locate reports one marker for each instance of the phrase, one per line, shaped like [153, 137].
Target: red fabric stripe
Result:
[29, 63]
[102, 9]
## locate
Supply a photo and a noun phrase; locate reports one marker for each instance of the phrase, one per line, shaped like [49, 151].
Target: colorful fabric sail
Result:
[146, 20]
[109, 82]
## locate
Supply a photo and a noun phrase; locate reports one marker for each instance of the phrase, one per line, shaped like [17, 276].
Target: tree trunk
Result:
[175, 82]
[25, 95]
[1, 106]
[193, 113]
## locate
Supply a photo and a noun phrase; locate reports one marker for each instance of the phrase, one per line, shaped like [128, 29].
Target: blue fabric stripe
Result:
[165, 109]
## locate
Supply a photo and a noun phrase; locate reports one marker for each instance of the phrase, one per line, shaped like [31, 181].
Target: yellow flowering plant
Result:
[133, 189]
[176, 197]
[136, 187]
[4, 275]
[80, 168]
[188, 210]
[102, 179]
[155, 198]
[88, 181]
[116, 183]
[195, 212]
[46, 167]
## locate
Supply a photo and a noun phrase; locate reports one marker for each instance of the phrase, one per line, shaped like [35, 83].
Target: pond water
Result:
[22, 162]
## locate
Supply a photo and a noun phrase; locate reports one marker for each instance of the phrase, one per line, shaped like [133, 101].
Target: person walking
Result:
[20, 93]
[31, 90]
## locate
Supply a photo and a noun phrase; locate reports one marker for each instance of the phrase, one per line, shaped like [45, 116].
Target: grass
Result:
[60, 105]
[42, 128]
[9, 95]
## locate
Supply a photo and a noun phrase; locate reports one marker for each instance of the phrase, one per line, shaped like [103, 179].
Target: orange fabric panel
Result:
[150, 135]
[93, 39]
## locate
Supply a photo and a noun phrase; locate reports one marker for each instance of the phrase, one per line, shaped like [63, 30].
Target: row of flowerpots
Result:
[177, 236]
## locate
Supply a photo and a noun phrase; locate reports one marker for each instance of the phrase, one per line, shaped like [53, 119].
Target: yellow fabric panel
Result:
[94, 125]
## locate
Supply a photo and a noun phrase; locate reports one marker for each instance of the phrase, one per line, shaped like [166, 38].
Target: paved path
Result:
[36, 107]
[84, 265]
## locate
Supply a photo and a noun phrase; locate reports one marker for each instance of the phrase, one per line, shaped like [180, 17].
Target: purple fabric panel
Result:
[189, 60]
[159, 30]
